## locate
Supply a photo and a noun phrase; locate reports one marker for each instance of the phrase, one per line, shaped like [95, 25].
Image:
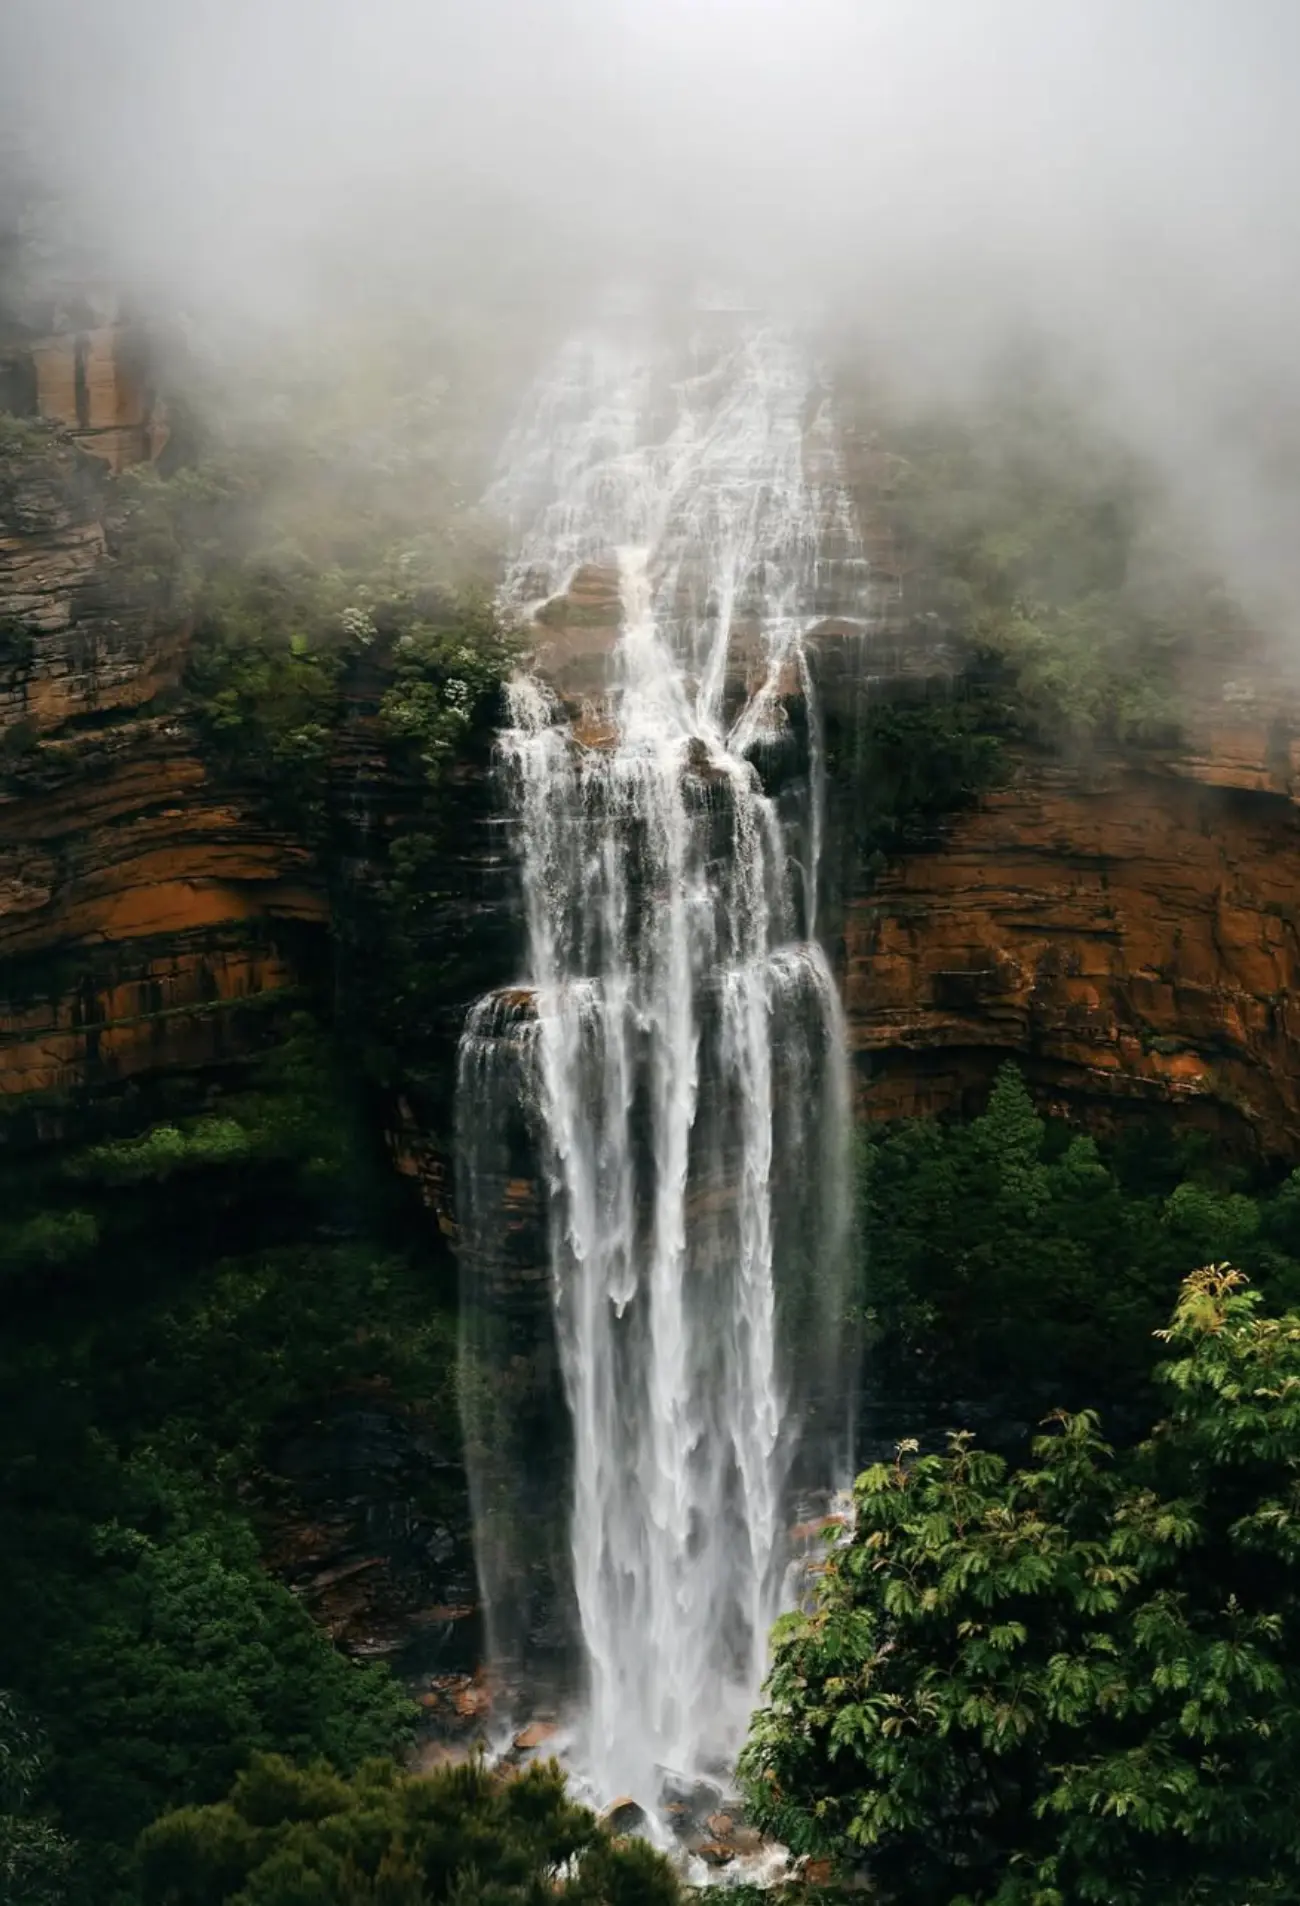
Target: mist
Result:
[1118, 179]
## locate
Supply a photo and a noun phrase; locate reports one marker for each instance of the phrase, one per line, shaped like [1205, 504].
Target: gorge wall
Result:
[160, 912]
[1124, 925]
[1121, 923]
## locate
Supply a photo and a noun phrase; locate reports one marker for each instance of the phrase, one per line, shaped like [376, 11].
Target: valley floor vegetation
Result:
[149, 1658]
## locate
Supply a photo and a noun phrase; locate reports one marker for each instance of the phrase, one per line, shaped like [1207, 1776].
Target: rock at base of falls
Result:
[625, 1815]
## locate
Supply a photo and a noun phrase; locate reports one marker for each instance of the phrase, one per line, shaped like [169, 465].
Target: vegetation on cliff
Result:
[1072, 1682]
[1041, 546]
[1039, 560]
[285, 599]
[910, 760]
[1013, 1263]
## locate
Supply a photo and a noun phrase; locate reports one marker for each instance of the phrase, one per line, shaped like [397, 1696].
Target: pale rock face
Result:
[94, 378]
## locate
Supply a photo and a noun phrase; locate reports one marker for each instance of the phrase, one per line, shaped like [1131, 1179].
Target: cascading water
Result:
[675, 1060]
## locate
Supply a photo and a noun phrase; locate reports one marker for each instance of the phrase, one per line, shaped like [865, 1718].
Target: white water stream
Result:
[676, 1052]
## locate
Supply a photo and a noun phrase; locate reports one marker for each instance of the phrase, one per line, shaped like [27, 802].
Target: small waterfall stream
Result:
[674, 1061]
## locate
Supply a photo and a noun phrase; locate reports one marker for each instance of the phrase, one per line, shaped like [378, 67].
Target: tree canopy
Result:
[1073, 1682]
[293, 1836]
[1020, 1264]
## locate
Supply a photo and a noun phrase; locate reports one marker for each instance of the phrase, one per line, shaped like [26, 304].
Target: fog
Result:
[1118, 175]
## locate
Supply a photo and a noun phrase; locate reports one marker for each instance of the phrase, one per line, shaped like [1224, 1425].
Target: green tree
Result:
[184, 1656]
[304, 1836]
[1013, 1261]
[35, 1859]
[1072, 1683]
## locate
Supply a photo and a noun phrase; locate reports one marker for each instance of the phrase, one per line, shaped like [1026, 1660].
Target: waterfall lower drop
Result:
[645, 1410]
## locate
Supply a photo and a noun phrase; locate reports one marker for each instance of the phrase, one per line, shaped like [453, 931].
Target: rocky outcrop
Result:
[367, 1521]
[158, 919]
[71, 647]
[1125, 928]
[85, 364]
[143, 916]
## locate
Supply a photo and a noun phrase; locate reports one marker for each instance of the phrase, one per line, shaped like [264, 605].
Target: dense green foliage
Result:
[161, 1653]
[904, 764]
[1074, 1682]
[35, 1859]
[137, 1623]
[1016, 1264]
[445, 669]
[292, 1836]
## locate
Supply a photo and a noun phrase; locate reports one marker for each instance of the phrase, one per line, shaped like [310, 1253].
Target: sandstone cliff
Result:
[141, 905]
[1126, 929]
[1122, 923]
[160, 914]
[1124, 926]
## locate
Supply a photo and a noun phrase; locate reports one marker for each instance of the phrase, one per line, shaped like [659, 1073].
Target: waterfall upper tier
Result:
[719, 460]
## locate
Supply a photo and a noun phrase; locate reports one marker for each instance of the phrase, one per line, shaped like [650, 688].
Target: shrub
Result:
[291, 1835]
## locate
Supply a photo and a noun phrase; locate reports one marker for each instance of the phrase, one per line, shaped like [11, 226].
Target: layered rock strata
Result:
[138, 899]
[1124, 926]
[84, 363]
[1126, 929]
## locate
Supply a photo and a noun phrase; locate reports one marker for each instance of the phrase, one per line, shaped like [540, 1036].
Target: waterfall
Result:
[674, 1060]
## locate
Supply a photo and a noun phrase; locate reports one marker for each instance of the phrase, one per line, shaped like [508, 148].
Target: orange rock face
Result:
[139, 914]
[1128, 932]
[142, 912]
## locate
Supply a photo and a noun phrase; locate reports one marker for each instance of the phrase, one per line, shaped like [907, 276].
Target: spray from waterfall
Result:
[674, 1060]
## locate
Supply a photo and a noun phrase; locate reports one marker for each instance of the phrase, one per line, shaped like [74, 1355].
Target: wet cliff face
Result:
[143, 908]
[1122, 924]
[85, 363]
